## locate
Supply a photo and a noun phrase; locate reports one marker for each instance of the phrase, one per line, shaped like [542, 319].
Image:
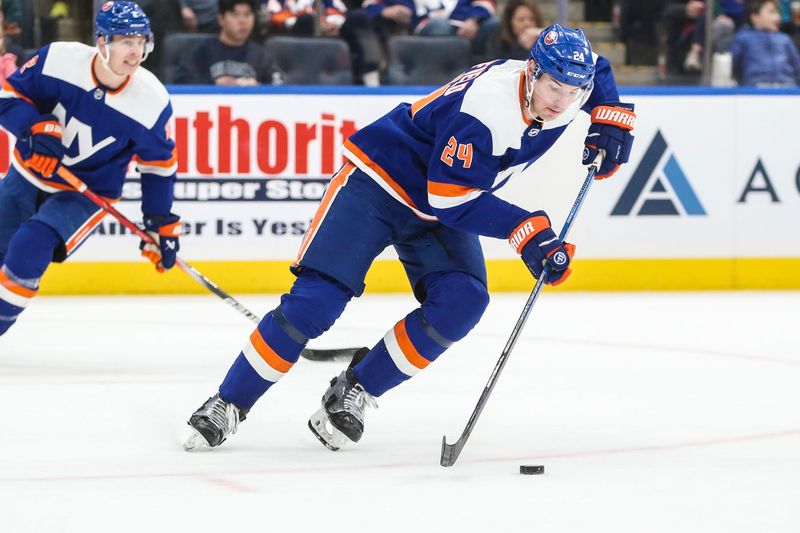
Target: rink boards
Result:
[709, 200]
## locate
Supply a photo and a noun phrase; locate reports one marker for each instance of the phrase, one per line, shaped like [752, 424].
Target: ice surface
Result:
[651, 413]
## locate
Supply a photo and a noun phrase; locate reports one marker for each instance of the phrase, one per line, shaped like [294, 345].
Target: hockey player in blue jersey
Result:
[422, 178]
[92, 110]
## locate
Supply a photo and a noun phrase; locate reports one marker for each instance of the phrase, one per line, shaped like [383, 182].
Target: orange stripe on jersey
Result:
[364, 158]
[449, 189]
[84, 230]
[337, 182]
[268, 354]
[16, 288]
[407, 346]
[8, 87]
[422, 102]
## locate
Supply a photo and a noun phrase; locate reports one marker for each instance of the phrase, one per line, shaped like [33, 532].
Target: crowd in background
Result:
[755, 39]
[759, 38]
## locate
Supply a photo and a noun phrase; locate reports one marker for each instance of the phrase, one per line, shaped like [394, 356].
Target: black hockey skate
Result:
[212, 423]
[340, 419]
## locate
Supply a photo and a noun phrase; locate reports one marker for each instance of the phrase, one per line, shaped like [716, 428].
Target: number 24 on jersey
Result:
[462, 151]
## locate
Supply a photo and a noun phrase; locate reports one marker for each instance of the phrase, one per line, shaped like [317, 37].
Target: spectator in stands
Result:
[199, 15]
[231, 58]
[10, 54]
[366, 30]
[729, 16]
[762, 55]
[392, 17]
[297, 17]
[520, 25]
[472, 19]
[679, 22]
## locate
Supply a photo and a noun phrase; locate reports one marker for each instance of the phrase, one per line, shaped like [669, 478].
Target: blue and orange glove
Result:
[611, 127]
[538, 245]
[44, 135]
[165, 230]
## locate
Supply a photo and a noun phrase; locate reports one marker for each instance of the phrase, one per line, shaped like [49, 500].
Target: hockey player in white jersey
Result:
[422, 178]
[92, 109]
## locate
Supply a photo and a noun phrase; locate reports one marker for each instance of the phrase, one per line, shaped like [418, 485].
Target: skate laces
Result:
[356, 399]
[224, 415]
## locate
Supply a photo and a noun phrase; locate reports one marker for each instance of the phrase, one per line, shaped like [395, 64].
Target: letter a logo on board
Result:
[658, 186]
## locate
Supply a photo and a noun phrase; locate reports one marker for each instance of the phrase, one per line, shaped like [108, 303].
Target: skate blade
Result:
[196, 442]
[329, 436]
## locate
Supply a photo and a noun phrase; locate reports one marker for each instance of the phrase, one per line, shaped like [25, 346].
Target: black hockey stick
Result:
[450, 452]
[341, 354]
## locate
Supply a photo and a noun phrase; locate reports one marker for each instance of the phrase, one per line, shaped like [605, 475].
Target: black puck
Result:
[531, 469]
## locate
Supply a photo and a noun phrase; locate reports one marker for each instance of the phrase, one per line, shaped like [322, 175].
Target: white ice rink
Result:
[651, 413]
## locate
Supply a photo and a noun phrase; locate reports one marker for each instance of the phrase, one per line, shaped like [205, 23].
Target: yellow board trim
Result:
[240, 277]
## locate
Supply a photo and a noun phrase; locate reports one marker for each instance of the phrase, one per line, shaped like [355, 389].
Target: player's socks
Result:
[411, 345]
[269, 353]
[15, 293]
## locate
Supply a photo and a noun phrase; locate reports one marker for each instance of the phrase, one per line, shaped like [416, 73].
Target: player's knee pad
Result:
[314, 303]
[31, 249]
[454, 303]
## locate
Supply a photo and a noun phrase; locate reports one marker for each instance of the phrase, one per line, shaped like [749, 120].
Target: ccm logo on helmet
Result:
[107, 6]
[551, 38]
[576, 75]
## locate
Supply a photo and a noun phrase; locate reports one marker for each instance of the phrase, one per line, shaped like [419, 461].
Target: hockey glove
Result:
[46, 148]
[165, 230]
[610, 131]
[538, 245]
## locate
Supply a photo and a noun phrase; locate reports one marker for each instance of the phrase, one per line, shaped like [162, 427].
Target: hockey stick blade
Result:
[450, 452]
[344, 355]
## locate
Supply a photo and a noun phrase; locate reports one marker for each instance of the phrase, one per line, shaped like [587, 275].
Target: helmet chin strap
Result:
[105, 57]
[531, 77]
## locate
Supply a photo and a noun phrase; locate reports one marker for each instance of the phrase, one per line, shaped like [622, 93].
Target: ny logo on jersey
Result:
[74, 128]
[658, 186]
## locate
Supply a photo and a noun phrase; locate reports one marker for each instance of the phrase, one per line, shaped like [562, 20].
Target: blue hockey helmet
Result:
[123, 18]
[564, 54]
